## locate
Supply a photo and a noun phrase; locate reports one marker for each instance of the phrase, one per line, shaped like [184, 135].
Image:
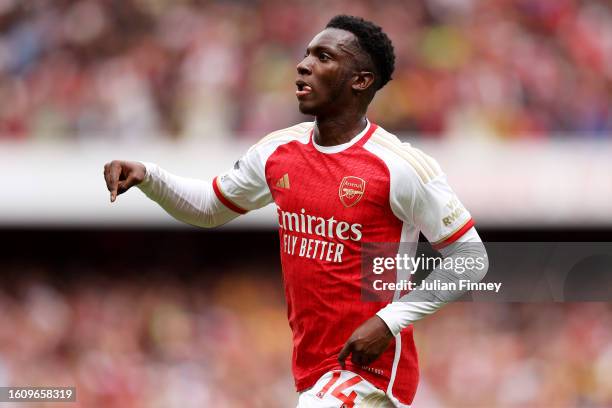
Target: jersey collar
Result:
[341, 147]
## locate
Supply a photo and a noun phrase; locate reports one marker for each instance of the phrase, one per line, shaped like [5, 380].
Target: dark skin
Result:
[342, 81]
[336, 82]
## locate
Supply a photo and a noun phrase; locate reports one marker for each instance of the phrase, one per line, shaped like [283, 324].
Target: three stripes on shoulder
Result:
[425, 167]
[295, 131]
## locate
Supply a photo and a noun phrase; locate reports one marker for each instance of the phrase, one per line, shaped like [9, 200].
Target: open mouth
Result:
[303, 88]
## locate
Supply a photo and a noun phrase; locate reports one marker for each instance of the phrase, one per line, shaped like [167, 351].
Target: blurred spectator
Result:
[133, 69]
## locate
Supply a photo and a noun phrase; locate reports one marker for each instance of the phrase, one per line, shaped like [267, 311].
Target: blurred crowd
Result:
[138, 69]
[142, 342]
[146, 344]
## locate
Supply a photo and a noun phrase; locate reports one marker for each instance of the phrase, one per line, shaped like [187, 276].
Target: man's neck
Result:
[336, 131]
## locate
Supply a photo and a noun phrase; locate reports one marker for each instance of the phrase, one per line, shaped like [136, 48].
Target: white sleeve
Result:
[206, 203]
[241, 189]
[244, 187]
[420, 303]
[189, 200]
[421, 196]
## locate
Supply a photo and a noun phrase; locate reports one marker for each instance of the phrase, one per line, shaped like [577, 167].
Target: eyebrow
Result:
[321, 48]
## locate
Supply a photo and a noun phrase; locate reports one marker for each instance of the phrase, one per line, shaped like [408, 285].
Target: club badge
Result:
[351, 190]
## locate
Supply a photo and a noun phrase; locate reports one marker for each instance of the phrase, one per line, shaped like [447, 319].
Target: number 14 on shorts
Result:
[348, 401]
[339, 389]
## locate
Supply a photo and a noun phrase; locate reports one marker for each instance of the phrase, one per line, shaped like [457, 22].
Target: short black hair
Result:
[373, 40]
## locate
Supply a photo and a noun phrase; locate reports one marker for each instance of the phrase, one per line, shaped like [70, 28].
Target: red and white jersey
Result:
[330, 201]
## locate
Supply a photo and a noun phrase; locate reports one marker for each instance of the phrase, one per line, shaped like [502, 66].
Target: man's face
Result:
[325, 73]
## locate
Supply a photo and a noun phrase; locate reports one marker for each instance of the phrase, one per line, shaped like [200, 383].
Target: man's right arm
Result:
[202, 203]
[188, 200]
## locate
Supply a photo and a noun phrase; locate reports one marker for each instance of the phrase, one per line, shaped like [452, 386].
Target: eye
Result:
[323, 57]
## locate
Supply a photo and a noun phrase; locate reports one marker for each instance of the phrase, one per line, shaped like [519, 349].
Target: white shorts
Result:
[343, 389]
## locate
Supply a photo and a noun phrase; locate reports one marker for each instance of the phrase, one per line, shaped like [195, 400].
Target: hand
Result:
[367, 342]
[121, 175]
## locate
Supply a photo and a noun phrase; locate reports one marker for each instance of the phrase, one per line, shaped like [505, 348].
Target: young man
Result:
[338, 183]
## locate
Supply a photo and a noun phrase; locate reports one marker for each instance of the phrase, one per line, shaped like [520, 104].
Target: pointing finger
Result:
[107, 178]
[115, 172]
[344, 353]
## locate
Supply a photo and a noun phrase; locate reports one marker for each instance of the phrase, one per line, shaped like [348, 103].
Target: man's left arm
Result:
[432, 206]
[373, 337]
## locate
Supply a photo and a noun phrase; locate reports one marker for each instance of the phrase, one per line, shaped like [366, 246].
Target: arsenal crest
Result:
[351, 190]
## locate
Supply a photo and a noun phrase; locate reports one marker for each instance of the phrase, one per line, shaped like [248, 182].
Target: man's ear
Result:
[363, 80]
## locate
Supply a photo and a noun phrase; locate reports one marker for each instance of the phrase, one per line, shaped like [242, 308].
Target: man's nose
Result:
[303, 68]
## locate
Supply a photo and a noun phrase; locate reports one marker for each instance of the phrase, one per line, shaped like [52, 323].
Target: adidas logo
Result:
[283, 182]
